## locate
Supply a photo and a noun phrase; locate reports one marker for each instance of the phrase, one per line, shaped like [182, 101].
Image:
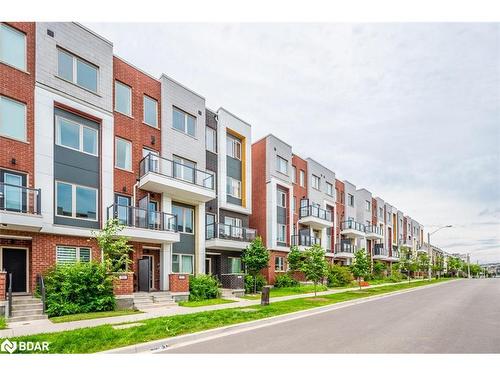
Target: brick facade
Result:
[340, 207]
[3, 285]
[299, 192]
[270, 272]
[123, 283]
[178, 282]
[259, 207]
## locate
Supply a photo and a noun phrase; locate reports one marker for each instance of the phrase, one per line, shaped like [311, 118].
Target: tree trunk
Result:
[315, 289]
[359, 282]
[255, 284]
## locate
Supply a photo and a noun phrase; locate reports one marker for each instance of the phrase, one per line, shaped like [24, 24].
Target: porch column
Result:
[165, 265]
[200, 239]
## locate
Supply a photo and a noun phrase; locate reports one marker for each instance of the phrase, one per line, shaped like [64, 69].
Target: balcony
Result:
[20, 208]
[344, 250]
[144, 225]
[178, 181]
[305, 240]
[394, 255]
[373, 232]
[352, 229]
[406, 243]
[221, 236]
[315, 217]
[380, 253]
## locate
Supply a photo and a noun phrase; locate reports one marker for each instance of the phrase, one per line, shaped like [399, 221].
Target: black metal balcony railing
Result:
[380, 250]
[345, 248]
[305, 240]
[169, 168]
[373, 229]
[230, 232]
[136, 217]
[351, 224]
[20, 199]
[315, 211]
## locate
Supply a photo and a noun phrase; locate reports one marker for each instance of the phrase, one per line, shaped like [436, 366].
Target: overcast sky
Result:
[409, 111]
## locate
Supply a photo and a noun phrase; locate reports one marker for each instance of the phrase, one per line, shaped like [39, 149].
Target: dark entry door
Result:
[14, 262]
[144, 275]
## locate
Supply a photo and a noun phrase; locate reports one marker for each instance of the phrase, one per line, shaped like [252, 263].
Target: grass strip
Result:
[205, 302]
[92, 315]
[95, 339]
[3, 323]
[281, 292]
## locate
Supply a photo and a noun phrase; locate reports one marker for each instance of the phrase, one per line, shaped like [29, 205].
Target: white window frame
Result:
[73, 201]
[302, 177]
[329, 189]
[282, 199]
[184, 131]
[279, 227]
[368, 206]
[213, 144]
[116, 153]
[350, 198]
[144, 98]
[129, 97]
[230, 182]
[77, 253]
[280, 267]
[25, 67]
[279, 159]
[234, 147]
[241, 266]
[80, 135]
[180, 263]
[316, 182]
[74, 77]
[184, 163]
[25, 120]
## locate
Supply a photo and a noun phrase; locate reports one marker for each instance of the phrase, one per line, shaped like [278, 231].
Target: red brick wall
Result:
[3, 285]
[269, 273]
[132, 128]
[299, 192]
[123, 283]
[178, 282]
[340, 208]
[374, 211]
[258, 217]
[405, 226]
[20, 86]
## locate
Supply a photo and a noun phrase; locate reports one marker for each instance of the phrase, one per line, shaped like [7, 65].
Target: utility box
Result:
[264, 297]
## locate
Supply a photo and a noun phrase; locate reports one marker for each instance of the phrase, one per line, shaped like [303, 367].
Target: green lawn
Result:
[205, 302]
[280, 292]
[3, 323]
[92, 315]
[94, 339]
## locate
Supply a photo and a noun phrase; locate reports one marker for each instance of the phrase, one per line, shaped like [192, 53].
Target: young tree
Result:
[378, 269]
[423, 262]
[116, 249]
[294, 259]
[314, 265]
[454, 265]
[361, 266]
[255, 258]
[438, 266]
[407, 262]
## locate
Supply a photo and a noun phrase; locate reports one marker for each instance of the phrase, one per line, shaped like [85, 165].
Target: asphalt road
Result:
[457, 317]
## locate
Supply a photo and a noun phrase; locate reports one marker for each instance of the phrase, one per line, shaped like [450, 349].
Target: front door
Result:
[14, 262]
[208, 266]
[145, 275]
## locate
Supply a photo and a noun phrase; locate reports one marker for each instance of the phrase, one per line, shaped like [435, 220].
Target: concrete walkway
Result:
[45, 326]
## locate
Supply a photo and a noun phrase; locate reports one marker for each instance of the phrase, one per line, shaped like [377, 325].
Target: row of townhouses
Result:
[86, 136]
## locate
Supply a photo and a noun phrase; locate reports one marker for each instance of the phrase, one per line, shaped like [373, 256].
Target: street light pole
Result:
[429, 250]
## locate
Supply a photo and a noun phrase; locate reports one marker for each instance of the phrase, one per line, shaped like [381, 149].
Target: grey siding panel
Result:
[76, 167]
[75, 222]
[211, 206]
[210, 119]
[185, 245]
[211, 161]
[244, 218]
[233, 200]
[233, 168]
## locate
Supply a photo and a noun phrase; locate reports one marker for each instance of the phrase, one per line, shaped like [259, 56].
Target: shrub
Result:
[78, 288]
[285, 281]
[338, 276]
[395, 277]
[249, 283]
[378, 270]
[203, 287]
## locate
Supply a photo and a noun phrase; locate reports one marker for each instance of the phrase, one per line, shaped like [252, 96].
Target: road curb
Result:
[165, 344]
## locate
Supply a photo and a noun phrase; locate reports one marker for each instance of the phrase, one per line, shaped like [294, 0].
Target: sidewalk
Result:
[45, 326]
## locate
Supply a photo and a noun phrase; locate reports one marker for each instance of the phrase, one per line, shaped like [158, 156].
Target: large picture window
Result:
[76, 136]
[184, 122]
[76, 201]
[233, 146]
[234, 187]
[281, 165]
[70, 254]
[234, 265]
[123, 154]
[12, 119]
[12, 47]
[77, 70]
[150, 111]
[182, 263]
[123, 98]
[185, 218]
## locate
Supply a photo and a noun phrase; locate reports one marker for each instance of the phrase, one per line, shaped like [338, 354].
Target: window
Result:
[294, 204]
[329, 189]
[234, 265]
[150, 108]
[69, 254]
[76, 201]
[13, 197]
[123, 154]
[302, 178]
[211, 139]
[184, 169]
[281, 165]
[380, 212]
[281, 199]
[294, 174]
[182, 263]
[279, 264]
[316, 181]
[12, 119]
[233, 187]
[233, 147]
[12, 47]
[76, 136]
[184, 122]
[368, 205]
[76, 70]
[122, 208]
[350, 200]
[185, 218]
[281, 235]
[123, 98]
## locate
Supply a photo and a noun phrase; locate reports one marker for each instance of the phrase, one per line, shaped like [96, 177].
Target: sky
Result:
[409, 111]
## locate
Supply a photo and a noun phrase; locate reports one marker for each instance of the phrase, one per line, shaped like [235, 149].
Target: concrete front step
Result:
[153, 300]
[26, 318]
[27, 306]
[24, 301]
[17, 313]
